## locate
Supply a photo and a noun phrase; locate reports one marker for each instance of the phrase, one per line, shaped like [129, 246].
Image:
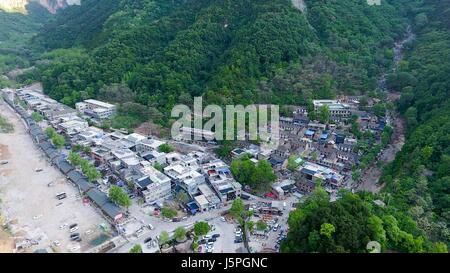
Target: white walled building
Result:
[148, 145]
[96, 109]
[154, 185]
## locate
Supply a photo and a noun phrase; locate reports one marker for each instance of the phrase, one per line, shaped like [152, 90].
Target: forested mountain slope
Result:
[417, 183]
[419, 178]
[16, 29]
[230, 51]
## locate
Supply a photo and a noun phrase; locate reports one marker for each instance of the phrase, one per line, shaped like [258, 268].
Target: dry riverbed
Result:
[28, 205]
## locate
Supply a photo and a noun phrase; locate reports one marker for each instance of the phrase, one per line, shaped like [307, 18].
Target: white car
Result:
[63, 226]
[56, 243]
[223, 219]
[75, 248]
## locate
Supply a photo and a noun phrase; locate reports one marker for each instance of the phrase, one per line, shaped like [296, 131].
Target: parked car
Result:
[75, 248]
[275, 227]
[73, 228]
[38, 170]
[61, 196]
[147, 240]
[216, 235]
[74, 236]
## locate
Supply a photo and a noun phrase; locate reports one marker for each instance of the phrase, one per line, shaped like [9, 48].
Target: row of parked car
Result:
[280, 238]
[208, 241]
[238, 236]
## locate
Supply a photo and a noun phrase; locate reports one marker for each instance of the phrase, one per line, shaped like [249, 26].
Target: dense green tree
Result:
[164, 237]
[201, 228]
[58, 140]
[180, 234]
[50, 132]
[346, 225]
[37, 117]
[258, 176]
[324, 114]
[74, 158]
[168, 212]
[165, 148]
[136, 249]
[261, 225]
[118, 196]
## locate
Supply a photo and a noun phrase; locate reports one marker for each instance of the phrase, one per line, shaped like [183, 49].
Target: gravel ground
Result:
[29, 204]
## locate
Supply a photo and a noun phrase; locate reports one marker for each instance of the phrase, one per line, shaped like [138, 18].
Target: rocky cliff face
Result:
[51, 5]
[54, 5]
[13, 4]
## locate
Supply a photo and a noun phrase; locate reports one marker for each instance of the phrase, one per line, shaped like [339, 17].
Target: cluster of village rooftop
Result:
[324, 152]
[125, 159]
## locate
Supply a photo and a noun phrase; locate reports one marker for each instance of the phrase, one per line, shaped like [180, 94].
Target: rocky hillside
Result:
[51, 5]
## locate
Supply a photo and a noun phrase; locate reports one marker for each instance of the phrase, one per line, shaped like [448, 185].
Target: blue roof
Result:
[275, 161]
[63, 165]
[148, 157]
[309, 133]
[223, 170]
[75, 176]
[111, 209]
[98, 197]
[193, 207]
[324, 136]
[307, 171]
[144, 182]
[84, 185]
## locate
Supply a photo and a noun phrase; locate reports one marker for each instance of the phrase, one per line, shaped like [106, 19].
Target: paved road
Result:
[224, 244]
[160, 225]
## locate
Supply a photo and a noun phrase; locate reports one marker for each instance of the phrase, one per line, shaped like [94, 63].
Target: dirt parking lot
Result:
[29, 205]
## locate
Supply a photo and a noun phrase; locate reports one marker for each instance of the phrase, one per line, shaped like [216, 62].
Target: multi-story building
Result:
[186, 177]
[96, 109]
[153, 185]
[219, 176]
[148, 145]
[337, 109]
